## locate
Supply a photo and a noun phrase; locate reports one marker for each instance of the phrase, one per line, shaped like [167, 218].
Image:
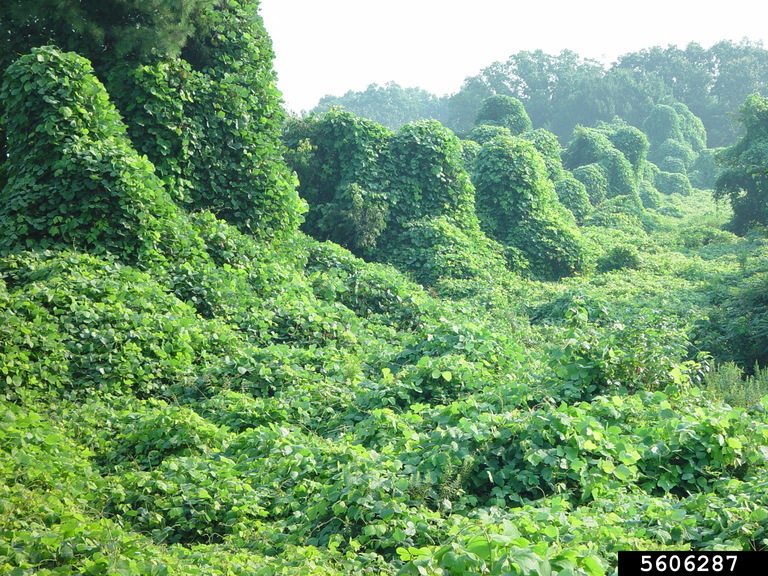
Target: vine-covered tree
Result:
[594, 146]
[562, 91]
[79, 182]
[745, 179]
[339, 159]
[505, 111]
[518, 207]
[194, 82]
[211, 121]
[427, 176]
[433, 230]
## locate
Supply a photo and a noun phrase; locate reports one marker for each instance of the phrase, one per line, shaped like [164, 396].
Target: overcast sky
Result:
[332, 46]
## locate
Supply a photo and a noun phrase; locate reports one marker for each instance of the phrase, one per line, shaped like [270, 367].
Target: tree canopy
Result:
[104, 31]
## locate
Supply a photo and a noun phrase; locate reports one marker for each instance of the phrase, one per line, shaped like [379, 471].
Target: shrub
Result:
[618, 258]
[649, 196]
[372, 291]
[187, 500]
[619, 173]
[427, 176]
[548, 146]
[673, 149]
[663, 123]
[573, 195]
[673, 183]
[469, 150]
[632, 143]
[691, 127]
[737, 328]
[595, 181]
[435, 249]
[619, 212]
[144, 440]
[694, 237]
[586, 147]
[506, 111]
[671, 164]
[486, 132]
[118, 330]
[729, 383]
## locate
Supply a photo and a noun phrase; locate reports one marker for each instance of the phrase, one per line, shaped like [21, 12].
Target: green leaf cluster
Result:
[743, 181]
[518, 207]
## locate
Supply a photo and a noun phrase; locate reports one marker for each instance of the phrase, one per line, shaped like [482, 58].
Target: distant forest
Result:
[562, 91]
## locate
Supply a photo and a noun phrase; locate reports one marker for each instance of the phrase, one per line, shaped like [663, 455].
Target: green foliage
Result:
[32, 352]
[704, 171]
[427, 175]
[591, 146]
[622, 212]
[338, 158]
[672, 183]
[619, 173]
[144, 440]
[744, 181]
[691, 127]
[662, 124]
[606, 357]
[736, 329]
[518, 207]
[677, 139]
[180, 395]
[390, 105]
[212, 122]
[562, 91]
[670, 151]
[631, 142]
[102, 31]
[79, 183]
[505, 111]
[371, 291]
[549, 147]
[728, 382]
[433, 249]
[649, 195]
[469, 150]
[404, 198]
[487, 132]
[551, 87]
[187, 500]
[619, 257]
[595, 181]
[586, 147]
[573, 195]
[108, 328]
[695, 237]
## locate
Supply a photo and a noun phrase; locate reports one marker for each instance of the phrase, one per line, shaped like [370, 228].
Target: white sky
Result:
[332, 46]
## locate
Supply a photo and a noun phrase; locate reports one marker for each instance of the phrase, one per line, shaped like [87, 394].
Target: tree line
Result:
[564, 90]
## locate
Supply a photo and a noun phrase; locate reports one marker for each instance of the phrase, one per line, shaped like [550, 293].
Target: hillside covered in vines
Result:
[236, 343]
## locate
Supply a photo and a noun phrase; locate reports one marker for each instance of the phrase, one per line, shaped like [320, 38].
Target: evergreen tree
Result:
[104, 31]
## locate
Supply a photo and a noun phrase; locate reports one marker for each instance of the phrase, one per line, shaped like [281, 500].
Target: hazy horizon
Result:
[333, 47]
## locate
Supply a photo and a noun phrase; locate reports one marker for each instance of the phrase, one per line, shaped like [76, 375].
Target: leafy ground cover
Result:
[191, 384]
[372, 427]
